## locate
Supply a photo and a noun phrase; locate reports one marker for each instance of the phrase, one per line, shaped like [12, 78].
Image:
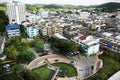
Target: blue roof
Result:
[13, 26]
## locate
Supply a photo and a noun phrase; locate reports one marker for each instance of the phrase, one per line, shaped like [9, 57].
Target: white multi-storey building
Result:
[13, 30]
[16, 12]
[32, 18]
[88, 44]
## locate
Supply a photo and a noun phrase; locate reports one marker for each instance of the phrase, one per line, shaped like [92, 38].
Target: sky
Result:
[63, 2]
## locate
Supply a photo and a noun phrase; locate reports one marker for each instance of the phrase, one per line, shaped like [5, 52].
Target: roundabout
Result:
[52, 66]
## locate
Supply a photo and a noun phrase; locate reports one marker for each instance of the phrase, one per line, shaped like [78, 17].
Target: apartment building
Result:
[16, 12]
[32, 18]
[32, 30]
[49, 30]
[88, 44]
[13, 30]
[110, 41]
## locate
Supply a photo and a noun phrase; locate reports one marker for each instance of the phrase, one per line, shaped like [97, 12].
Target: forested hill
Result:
[109, 7]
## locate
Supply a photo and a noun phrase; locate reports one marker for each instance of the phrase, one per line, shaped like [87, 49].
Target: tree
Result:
[26, 56]
[23, 33]
[1, 70]
[70, 12]
[29, 75]
[38, 45]
[18, 68]
[11, 52]
[3, 20]
[64, 45]
[23, 73]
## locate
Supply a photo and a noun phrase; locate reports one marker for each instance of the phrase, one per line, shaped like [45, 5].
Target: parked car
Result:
[7, 67]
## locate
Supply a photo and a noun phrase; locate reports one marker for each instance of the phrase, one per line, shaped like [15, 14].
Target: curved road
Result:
[83, 64]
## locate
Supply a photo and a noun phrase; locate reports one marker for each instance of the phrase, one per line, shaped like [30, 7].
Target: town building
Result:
[49, 30]
[110, 41]
[32, 18]
[57, 35]
[16, 12]
[32, 30]
[13, 30]
[84, 15]
[44, 14]
[88, 44]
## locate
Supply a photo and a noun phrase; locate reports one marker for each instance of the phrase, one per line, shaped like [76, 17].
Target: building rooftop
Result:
[13, 26]
[107, 34]
[118, 37]
[84, 36]
[115, 76]
[59, 36]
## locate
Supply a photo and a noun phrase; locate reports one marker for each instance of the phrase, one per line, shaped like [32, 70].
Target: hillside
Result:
[109, 7]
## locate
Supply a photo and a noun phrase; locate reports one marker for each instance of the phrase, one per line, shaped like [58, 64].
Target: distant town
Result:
[59, 42]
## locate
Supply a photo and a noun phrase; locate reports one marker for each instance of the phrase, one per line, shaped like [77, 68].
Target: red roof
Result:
[29, 25]
[84, 36]
[76, 35]
[70, 30]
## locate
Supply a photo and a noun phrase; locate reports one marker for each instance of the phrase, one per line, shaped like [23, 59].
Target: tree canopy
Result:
[64, 45]
[38, 45]
[24, 74]
[109, 7]
[25, 56]
[3, 18]
[15, 49]
[11, 52]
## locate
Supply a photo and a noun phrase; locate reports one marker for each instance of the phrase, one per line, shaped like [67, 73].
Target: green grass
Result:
[71, 71]
[45, 73]
[110, 67]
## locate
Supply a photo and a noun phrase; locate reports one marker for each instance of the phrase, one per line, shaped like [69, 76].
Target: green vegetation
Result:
[64, 45]
[23, 33]
[25, 56]
[38, 45]
[3, 20]
[17, 50]
[33, 8]
[9, 76]
[11, 52]
[44, 72]
[19, 72]
[1, 71]
[109, 7]
[50, 6]
[70, 71]
[111, 66]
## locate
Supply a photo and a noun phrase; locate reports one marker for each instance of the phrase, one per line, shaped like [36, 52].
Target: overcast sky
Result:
[62, 2]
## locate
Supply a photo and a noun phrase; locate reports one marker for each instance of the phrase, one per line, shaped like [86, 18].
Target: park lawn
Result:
[110, 66]
[45, 73]
[71, 71]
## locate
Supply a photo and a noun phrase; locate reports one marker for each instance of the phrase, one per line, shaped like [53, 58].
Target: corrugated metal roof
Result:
[13, 26]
